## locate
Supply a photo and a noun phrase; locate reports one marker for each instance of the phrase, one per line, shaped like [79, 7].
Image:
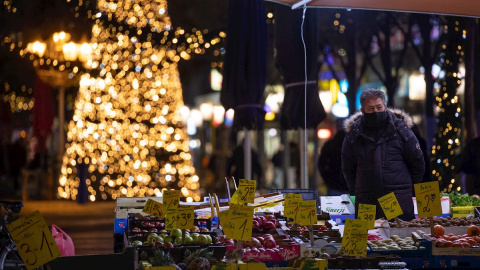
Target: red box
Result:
[286, 253]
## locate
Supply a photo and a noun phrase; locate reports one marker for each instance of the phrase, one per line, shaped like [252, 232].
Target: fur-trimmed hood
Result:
[401, 114]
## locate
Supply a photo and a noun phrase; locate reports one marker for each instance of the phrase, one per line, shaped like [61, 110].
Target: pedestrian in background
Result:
[380, 154]
[330, 162]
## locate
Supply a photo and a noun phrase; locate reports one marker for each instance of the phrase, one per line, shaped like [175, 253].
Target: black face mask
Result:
[376, 119]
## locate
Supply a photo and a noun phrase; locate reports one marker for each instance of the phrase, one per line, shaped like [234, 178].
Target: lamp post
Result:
[56, 56]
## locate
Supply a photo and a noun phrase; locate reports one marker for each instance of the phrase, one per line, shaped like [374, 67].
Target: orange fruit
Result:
[438, 230]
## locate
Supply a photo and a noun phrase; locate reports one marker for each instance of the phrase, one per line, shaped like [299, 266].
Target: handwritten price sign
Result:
[34, 240]
[171, 200]
[290, 205]
[390, 206]
[354, 241]
[170, 222]
[367, 212]
[428, 199]
[307, 213]
[239, 222]
[245, 192]
[185, 216]
[228, 227]
[154, 208]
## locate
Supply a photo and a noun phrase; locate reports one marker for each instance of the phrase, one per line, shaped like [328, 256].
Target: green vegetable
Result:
[459, 199]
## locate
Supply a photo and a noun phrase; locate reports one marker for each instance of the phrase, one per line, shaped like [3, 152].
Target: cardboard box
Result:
[462, 211]
[454, 251]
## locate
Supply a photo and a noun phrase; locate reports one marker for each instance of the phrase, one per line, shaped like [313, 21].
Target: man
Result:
[380, 154]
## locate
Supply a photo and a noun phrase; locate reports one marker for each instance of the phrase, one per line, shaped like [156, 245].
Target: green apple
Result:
[157, 239]
[168, 239]
[151, 236]
[188, 240]
[137, 243]
[163, 235]
[176, 233]
[201, 239]
[178, 240]
[209, 239]
[194, 235]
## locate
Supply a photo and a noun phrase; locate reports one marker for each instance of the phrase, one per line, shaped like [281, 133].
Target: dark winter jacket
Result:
[393, 163]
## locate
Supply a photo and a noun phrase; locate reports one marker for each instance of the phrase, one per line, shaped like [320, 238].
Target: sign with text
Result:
[239, 222]
[154, 208]
[245, 192]
[390, 206]
[307, 213]
[34, 240]
[185, 216]
[428, 199]
[171, 200]
[170, 221]
[354, 240]
[367, 212]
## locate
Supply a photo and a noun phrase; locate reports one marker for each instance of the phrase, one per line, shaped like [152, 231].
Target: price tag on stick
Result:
[185, 216]
[154, 208]
[245, 192]
[34, 240]
[367, 212]
[240, 222]
[307, 213]
[171, 221]
[354, 240]
[428, 199]
[390, 206]
[171, 200]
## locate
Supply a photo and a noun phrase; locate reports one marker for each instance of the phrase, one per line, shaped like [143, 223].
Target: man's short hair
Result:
[371, 94]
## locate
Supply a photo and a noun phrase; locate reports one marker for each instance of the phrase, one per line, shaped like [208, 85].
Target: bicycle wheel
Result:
[10, 259]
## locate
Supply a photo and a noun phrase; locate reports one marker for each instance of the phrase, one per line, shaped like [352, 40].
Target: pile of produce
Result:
[443, 221]
[459, 199]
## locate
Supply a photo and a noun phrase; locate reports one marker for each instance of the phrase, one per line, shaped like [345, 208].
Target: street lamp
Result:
[58, 66]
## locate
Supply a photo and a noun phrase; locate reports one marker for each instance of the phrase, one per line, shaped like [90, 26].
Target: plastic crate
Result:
[456, 262]
[424, 250]
[307, 194]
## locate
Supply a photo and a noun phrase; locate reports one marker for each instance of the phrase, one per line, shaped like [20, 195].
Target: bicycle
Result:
[9, 257]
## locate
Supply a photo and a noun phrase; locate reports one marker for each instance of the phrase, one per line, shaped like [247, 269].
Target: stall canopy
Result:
[447, 7]
[245, 68]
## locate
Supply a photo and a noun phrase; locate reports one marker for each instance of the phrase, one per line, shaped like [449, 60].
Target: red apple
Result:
[261, 239]
[245, 244]
[204, 230]
[135, 229]
[153, 230]
[194, 229]
[256, 225]
[254, 249]
[262, 220]
[255, 242]
[168, 245]
[270, 243]
[270, 217]
[269, 225]
[261, 249]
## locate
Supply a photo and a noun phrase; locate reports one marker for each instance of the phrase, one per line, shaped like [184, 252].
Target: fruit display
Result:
[265, 222]
[471, 238]
[443, 221]
[394, 243]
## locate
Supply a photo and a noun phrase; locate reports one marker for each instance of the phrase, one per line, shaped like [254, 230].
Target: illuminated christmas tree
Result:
[127, 128]
[449, 123]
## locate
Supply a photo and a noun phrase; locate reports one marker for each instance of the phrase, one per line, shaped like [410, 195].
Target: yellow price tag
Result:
[314, 265]
[390, 206]
[240, 221]
[291, 211]
[171, 200]
[171, 221]
[307, 213]
[354, 240]
[245, 192]
[290, 198]
[185, 216]
[367, 212]
[154, 208]
[228, 228]
[34, 240]
[428, 199]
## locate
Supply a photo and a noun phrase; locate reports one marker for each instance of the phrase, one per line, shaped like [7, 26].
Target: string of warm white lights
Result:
[447, 138]
[127, 127]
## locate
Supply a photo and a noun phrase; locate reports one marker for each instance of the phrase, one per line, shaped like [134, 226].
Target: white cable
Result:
[305, 100]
